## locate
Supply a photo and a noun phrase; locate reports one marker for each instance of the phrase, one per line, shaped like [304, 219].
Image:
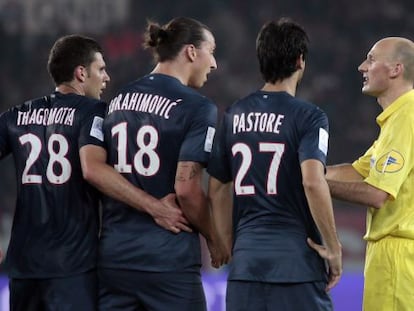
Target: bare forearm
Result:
[343, 172]
[196, 210]
[221, 202]
[322, 212]
[320, 203]
[191, 196]
[107, 180]
[357, 192]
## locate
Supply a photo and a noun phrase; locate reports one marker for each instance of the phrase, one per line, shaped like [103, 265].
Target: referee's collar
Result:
[397, 104]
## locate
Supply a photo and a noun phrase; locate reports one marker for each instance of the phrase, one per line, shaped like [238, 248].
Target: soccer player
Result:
[51, 259]
[56, 141]
[272, 148]
[159, 133]
[383, 178]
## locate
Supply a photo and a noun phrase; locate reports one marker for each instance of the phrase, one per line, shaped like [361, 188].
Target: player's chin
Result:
[97, 95]
[197, 84]
[100, 92]
[203, 81]
[365, 89]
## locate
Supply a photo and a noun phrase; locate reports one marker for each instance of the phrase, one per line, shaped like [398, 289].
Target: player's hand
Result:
[1, 255]
[169, 215]
[334, 260]
[219, 253]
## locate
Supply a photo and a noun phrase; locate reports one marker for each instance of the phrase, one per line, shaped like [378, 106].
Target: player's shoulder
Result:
[35, 103]
[85, 100]
[80, 102]
[307, 107]
[303, 103]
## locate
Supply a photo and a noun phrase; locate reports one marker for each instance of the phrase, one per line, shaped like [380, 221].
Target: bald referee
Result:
[383, 178]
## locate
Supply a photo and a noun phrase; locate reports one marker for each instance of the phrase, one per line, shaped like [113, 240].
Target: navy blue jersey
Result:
[262, 141]
[55, 223]
[152, 124]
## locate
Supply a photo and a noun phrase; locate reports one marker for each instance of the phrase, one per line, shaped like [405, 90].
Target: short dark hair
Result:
[67, 53]
[168, 40]
[278, 46]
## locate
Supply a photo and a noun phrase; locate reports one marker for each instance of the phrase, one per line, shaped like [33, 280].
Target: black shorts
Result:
[74, 293]
[130, 290]
[258, 296]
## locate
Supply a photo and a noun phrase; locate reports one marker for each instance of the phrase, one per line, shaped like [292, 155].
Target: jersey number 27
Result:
[246, 161]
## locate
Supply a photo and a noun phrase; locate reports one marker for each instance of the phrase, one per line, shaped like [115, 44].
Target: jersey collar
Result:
[397, 104]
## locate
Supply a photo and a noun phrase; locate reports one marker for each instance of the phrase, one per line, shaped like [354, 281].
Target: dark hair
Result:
[278, 46]
[67, 53]
[167, 40]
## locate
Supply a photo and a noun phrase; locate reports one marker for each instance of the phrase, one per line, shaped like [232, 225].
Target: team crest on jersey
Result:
[390, 162]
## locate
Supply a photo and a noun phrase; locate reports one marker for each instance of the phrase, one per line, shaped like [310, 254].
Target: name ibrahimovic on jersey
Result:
[257, 122]
[143, 102]
[46, 116]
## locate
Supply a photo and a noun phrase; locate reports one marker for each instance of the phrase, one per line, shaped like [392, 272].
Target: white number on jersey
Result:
[57, 148]
[147, 141]
[246, 157]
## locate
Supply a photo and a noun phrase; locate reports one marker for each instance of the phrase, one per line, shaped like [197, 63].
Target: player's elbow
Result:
[379, 199]
[312, 184]
[184, 195]
[90, 174]
[189, 197]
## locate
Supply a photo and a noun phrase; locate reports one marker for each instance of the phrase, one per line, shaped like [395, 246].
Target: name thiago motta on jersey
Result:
[143, 102]
[46, 116]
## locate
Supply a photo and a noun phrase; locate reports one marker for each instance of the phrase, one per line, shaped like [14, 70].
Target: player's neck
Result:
[287, 85]
[281, 86]
[174, 69]
[67, 88]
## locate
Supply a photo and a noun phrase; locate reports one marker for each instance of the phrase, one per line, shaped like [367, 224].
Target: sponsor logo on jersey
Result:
[390, 162]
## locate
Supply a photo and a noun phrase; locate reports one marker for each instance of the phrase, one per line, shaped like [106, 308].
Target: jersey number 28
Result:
[56, 157]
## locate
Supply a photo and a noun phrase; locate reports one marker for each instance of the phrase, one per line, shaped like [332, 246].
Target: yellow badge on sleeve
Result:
[390, 162]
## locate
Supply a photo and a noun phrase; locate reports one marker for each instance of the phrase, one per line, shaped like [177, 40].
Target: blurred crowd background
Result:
[341, 33]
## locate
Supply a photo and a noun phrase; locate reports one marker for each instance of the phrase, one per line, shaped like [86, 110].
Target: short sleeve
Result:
[91, 132]
[315, 136]
[198, 140]
[363, 163]
[392, 159]
[219, 166]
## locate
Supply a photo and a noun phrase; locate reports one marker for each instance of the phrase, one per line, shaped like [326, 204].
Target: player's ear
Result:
[191, 52]
[300, 62]
[396, 70]
[80, 73]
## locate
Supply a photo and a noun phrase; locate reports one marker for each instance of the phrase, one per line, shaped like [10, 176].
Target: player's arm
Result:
[358, 192]
[345, 183]
[193, 202]
[107, 180]
[320, 204]
[220, 198]
[191, 196]
[342, 172]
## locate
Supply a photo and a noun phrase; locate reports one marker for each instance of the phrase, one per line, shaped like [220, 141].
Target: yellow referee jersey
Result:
[388, 165]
